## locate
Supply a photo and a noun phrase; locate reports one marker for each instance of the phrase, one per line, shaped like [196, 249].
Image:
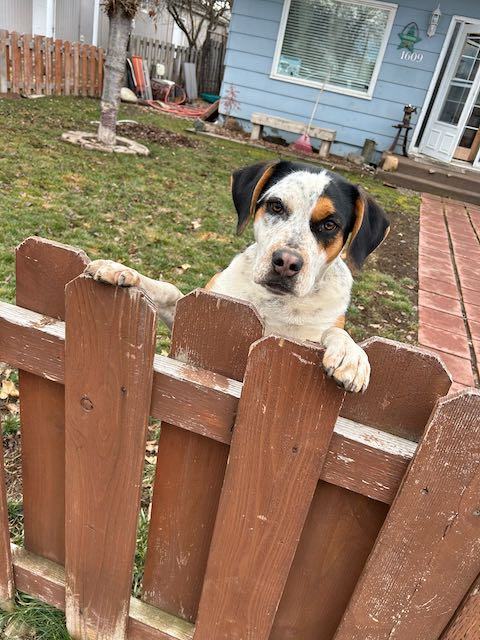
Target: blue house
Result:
[369, 59]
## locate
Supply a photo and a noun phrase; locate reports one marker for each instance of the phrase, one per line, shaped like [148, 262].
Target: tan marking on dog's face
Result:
[260, 212]
[323, 208]
[333, 248]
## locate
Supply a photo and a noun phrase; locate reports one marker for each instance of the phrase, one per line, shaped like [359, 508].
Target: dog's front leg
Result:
[344, 360]
[163, 294]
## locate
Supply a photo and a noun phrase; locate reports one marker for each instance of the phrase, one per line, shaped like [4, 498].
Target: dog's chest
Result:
[298, 318]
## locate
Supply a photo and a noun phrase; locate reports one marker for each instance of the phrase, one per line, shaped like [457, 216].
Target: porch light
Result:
[434, 20]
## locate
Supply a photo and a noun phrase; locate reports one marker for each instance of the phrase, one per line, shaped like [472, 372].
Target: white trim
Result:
[413, 148]
[96, 19]
[392, 8]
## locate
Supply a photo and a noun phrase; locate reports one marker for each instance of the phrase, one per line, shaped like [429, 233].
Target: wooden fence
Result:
[41, 65]
[209, 61]
[345, 518]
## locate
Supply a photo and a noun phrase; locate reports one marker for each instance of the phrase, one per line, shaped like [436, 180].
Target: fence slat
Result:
[84, 72]
[58, 67]
[333, 550]
[91, 71]
[7, 587]
[110, 344]
[67, 68]
[465, 624]
[37, 51]
[100, 63]
[43, 269]
[190, 469]
[428, 553]
[15, 61]
[48, 53]
[278, 447]
[76, 68]
[27, 64]
[3, 61]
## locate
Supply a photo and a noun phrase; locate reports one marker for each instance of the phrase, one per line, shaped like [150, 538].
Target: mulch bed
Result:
[155, 134]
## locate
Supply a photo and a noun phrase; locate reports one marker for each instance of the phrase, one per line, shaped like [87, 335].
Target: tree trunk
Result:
[119, 30]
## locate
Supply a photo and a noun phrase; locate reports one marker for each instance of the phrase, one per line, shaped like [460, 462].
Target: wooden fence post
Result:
[465, 624]
[284, 425]
[190, 468]
[342, 526]
[428, 552]
[43, 269]
[58, 67]
[67, 79]
[15, 62]
[110, 344]
[7, 587]
[48, 52]
[3, 61]
[27, 64]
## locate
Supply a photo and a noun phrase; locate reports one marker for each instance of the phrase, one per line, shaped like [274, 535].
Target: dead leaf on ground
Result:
[8, 389]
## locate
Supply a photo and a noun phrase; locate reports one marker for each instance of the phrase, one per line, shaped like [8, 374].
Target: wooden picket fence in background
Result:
[40, 65]
[209, 60]
[335, 518]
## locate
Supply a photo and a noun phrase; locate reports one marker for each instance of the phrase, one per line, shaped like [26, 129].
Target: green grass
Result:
[140, 211]
[34, 619]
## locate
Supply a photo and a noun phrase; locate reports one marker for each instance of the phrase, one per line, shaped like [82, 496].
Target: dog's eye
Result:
[275, 206]
[329, 225]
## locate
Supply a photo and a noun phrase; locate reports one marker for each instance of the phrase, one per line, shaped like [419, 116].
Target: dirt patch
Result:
[155, 134]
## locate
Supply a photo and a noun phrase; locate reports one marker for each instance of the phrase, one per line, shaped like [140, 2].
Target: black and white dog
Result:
[305, 218]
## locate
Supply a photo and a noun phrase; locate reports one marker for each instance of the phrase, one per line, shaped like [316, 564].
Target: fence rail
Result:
[329, 521]
[40, 65]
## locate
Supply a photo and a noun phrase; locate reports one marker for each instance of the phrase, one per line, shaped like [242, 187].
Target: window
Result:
[339, 43]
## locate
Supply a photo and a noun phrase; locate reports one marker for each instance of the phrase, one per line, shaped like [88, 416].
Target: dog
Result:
[305, 219]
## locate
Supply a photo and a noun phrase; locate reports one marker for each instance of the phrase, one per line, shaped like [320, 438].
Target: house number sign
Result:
[411, 57]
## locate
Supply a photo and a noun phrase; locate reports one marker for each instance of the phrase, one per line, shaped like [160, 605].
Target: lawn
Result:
[169, 215]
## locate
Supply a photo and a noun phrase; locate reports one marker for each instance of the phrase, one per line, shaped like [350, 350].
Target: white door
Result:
[456, 96]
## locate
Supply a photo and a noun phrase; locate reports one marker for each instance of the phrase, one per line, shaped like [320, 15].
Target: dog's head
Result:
[303, 217]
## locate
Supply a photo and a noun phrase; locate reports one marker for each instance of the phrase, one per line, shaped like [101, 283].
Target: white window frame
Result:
[329, 87]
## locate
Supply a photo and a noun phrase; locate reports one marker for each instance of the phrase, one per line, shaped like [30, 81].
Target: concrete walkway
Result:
[449, 286]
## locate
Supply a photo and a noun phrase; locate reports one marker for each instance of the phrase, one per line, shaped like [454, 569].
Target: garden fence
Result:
[209, 60]
[281, 508]
[45, 66]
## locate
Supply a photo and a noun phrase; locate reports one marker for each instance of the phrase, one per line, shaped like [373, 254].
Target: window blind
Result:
[333, 41]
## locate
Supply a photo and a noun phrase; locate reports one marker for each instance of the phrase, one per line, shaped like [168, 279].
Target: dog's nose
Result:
[287, 262]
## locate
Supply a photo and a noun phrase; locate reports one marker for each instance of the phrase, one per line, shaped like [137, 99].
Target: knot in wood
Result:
[86, 403]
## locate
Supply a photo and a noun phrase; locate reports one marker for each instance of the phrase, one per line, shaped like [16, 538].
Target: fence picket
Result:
[76, 68]
[58, 67]
[67, 68]
[43, 269]
[421, 566]
[49, 68]
[190, 468]
[15, 61]
[333, 550]
[27, 64]
[465, 624]
[3, 61]
[91, 71]
[107, 330]
[100, 63]
[278, 447]
[39, 67]
[7, 587]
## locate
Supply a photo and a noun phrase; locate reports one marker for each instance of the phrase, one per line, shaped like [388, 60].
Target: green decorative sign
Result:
[409, 36]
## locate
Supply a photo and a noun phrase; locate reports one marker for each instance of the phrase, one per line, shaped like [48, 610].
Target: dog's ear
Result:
[247, 186]
[369, 230]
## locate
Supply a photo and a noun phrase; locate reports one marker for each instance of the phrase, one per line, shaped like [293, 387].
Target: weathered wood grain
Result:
[190, 468]
[45, 580]
[27, 64]
[110, 344]
[465, 624]
[405, 384]
[42, 270]
[39, 67]
[58, 67]
[67, 69]
[3, 61]
[362, 459]
[7, 588]
[333, 550]
[16, 73]
[278, 448]
[428, 552]
[48, 54]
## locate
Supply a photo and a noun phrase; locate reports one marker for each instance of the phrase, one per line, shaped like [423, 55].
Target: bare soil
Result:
[155, 134]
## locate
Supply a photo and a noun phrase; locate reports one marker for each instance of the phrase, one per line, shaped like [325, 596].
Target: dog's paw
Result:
[113, 273]
[345, 361]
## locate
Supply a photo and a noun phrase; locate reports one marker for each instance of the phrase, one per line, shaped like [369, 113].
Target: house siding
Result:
[250, 49]
[16, 16]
